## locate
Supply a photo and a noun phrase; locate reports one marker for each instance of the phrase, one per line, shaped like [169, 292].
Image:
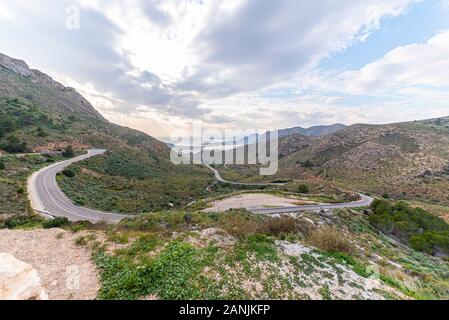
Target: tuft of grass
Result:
[330, 239]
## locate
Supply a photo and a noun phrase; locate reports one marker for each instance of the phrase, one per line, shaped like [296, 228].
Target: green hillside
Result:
[38, 114]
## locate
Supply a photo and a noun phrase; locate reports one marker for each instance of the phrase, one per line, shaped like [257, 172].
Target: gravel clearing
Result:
[66, 270]
[251, 201]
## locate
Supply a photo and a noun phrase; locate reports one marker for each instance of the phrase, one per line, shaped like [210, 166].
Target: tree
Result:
[303, 189]
[308, 164]
[68, 173]
[68, 152]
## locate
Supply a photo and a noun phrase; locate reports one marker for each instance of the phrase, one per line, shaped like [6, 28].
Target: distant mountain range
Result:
[315, 131]
[407, 160]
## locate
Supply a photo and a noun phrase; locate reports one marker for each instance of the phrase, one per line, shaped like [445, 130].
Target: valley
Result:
[354, 212]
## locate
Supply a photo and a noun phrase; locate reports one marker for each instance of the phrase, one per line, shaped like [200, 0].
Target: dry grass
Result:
[329, 238]
[287, 225]
[242, 226]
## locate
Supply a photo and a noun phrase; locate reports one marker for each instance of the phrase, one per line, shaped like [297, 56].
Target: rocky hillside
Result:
[408, 160]
[38, 114]
[315, 131]
[17, 80]
[63, 112]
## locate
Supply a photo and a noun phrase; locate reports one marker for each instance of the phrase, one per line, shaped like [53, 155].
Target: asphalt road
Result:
[220, 179]
[47, 198]
[364, 202]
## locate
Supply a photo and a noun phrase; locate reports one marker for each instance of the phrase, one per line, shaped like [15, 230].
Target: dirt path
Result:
[66, 270]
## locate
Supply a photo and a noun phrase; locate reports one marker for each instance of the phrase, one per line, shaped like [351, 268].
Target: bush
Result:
[240, 225]
[330, 239]
[14, 145]
[283, 226]
[308, 164]
[303, 189]
[68, 173]
[188, 218]
[22, 221]
[69, 152]
[2, 165]
[55, 223]
[412, 226]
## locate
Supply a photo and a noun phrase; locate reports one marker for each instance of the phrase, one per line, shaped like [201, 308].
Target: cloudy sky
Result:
[156, 65]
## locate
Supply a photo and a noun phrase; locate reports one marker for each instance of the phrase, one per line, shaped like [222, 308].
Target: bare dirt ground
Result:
[254, 201]
[66, 270]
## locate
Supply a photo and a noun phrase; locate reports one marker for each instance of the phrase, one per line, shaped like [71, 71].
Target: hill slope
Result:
[38, 114]
[404, 160]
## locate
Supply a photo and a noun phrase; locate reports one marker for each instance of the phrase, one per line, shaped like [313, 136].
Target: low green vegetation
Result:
[412, 226]
[13, 180]
[416, 274]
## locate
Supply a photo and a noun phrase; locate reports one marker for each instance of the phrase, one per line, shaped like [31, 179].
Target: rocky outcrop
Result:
[67, 98]
[16, 66]
[18, 280]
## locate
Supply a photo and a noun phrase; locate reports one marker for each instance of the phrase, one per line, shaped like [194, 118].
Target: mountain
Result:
[19, 81]
[402, 160]
[405, 160]
[315, 131]
[38, 114]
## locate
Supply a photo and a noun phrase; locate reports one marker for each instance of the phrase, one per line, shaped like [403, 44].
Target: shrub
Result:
[68, 152]
[2, 165]
[240, 225]
[303, 189]
[188, 218]
[22, 221]
[330, 239]
[412, 226]
[68, 173]
[308, 164]
[283, 226]
[55, 223]
[14, 145]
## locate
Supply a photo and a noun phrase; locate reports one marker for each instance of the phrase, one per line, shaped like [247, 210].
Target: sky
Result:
[255, 65]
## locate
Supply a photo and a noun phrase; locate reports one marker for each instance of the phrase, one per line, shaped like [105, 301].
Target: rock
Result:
[18, 280]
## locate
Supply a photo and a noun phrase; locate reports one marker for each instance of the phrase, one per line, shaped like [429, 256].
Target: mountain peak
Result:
[34, 85]
[17, 66]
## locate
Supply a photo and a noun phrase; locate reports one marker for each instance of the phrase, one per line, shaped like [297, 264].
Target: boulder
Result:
[18, 280]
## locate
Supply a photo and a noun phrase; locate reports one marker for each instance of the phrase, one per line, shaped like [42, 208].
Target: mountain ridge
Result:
[21, 68]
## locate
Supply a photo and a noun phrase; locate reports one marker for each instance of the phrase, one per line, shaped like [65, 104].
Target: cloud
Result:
[152, 10]
[89, 55]
[216, 60]
[420, 64]
[265, 42]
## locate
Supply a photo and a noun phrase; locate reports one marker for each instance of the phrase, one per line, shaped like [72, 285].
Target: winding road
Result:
[364, 201]
[47, 198]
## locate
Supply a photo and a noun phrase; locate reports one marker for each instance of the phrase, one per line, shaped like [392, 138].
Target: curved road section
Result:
[220, 179]
[47, 198]
[364, 202]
